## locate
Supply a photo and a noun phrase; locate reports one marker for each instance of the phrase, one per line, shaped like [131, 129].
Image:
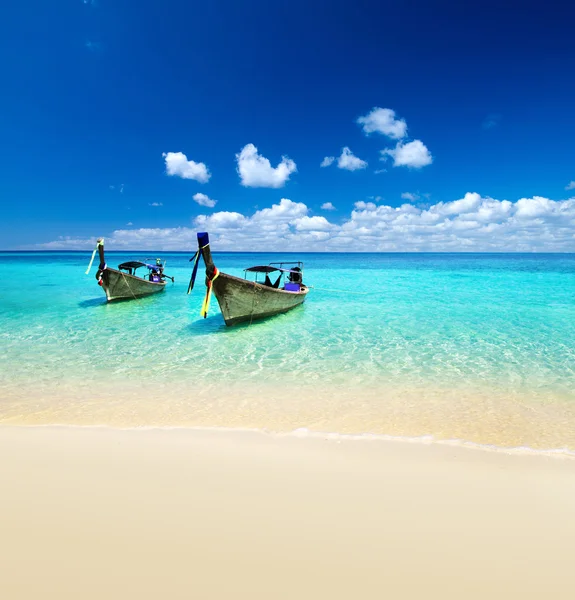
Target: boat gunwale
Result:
[158, 283]
[267, 288]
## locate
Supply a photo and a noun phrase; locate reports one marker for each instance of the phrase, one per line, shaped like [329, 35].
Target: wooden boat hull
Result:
[243, 301]
[122, 286]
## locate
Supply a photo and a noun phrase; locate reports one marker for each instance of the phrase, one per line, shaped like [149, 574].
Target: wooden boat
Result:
[243, 300]
[123, 283]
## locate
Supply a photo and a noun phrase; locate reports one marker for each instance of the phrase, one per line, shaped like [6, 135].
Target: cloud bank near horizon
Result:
[471, 224]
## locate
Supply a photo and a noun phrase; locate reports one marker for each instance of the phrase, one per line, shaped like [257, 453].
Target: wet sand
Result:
[103, 513]
[480, 415]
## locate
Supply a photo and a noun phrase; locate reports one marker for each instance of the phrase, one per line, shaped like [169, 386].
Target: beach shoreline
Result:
[482, 417]
[97, 512]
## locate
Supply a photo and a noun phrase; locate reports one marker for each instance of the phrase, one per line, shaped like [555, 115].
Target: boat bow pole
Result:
[211, 270]
[99, 243]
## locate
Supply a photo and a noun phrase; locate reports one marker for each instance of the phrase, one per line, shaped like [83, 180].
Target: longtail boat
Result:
[244, 300]
[123, 283]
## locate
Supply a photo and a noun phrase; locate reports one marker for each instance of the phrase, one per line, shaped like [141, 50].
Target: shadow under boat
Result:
[247, 301]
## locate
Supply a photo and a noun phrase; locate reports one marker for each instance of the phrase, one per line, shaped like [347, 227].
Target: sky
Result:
[316, 125]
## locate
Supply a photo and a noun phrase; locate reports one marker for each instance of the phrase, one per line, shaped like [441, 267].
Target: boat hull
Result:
[244, 301]
[121, 286]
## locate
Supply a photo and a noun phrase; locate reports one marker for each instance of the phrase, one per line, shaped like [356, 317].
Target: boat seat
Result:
[292, 287]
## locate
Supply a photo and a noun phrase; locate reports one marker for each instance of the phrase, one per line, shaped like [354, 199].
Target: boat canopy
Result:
[262, 269]
[270, 269]
[136, 264]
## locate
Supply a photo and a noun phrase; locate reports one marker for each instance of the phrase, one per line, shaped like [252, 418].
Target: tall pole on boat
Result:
[100, 248]
[101, 252]
[204, 247]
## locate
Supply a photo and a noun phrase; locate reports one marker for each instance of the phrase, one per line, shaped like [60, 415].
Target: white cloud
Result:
[256, 170]
[312, 224]
[467, 204]
[346, 160]
[221, 220]
[472, 223]
[570, 186]
[130, 223]
[411, 154]
[155, 204]
[383, 120]
[283, 212]
[327, 206]
[177, 164]
[361, 205]
[405, 154]
[409, 196]
[349, 161]
[204, 200]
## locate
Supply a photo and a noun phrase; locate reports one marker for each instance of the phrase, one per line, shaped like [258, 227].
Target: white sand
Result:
[170, 514]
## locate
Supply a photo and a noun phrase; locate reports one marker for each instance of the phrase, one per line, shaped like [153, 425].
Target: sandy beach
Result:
[104, 513]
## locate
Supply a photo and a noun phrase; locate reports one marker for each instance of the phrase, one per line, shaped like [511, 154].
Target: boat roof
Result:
[269, 269]
[135, 264]
[262, 269]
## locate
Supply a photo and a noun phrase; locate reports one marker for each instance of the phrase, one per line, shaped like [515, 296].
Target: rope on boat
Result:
[128, 284]
[98, 244]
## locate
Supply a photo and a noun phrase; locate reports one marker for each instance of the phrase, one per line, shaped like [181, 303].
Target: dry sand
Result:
[100, 513]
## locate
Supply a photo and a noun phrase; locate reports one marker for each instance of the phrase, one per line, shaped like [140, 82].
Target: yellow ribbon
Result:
[206, 304]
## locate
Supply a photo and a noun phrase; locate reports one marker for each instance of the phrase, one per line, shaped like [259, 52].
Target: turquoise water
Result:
[381, 340]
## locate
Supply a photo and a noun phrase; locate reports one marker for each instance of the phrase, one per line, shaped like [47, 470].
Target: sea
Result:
[473, 349]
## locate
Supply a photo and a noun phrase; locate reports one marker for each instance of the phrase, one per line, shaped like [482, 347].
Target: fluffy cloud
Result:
[312, 224]
[221, 221]
[570, 186]
[411, 154]
[383, 120]
[346, 160]
[472, 223]
[177, 164]
[409, 196]
[204, 200]
[256, 171]
[327, 206]
[349, 161]
[155, 204]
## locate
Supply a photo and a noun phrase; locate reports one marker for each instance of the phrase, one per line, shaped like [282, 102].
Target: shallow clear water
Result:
[479, 346]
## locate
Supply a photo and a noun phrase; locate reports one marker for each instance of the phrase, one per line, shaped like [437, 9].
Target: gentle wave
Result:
[304, 433]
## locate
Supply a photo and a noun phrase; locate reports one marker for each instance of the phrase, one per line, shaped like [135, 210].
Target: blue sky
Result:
[100, 96]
